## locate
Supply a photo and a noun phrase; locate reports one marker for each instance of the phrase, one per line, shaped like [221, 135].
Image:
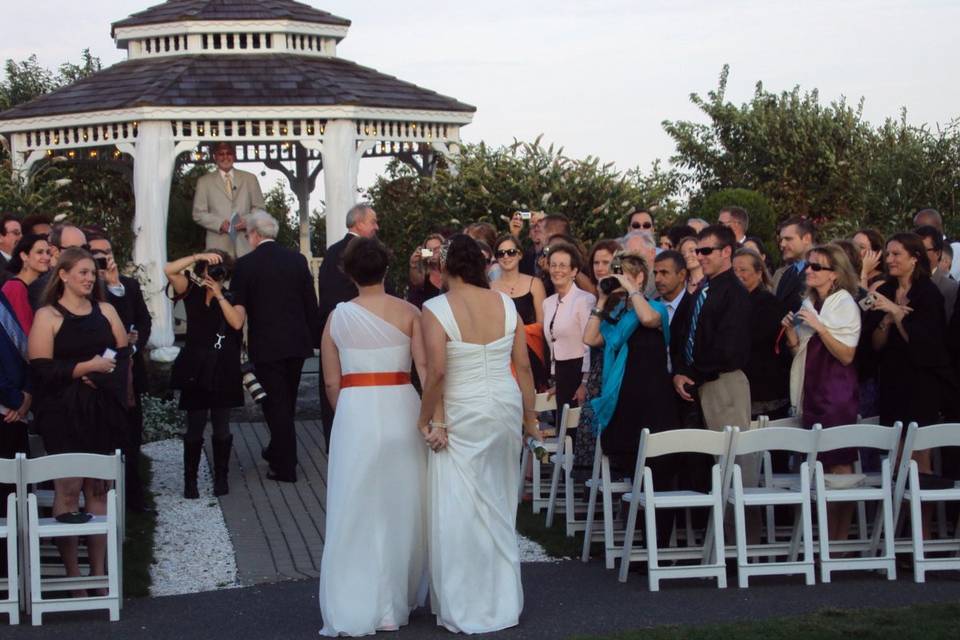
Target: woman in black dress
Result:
[80, 362]
[527, 294]
[207, 371]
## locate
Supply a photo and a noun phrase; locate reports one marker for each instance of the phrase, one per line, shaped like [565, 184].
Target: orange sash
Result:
[378, 379]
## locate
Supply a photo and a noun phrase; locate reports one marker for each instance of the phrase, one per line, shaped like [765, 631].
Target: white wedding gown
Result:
[373, 571]
[474, 556]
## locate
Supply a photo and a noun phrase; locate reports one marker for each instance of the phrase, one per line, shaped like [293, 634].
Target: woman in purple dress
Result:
[823, 337]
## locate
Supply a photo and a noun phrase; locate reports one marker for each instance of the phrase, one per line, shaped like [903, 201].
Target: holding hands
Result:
[434, 434]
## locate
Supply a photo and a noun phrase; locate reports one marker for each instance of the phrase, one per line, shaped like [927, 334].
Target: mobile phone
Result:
[101, 262]
[426, 253]
[866, 303]
[524, 215]
[797, 320]
[109, 353]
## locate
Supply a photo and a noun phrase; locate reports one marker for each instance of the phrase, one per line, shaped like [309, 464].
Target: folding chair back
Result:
[563, 464]
[777, 439]
[545, 402]
[10, 470]
[935, 436]
[9, 529]
[72, 465]
[704, 441]
[862, 436]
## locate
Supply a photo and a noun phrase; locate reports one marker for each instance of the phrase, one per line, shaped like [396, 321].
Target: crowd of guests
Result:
[688, 327]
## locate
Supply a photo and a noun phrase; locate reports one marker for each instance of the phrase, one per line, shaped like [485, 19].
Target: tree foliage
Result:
[489, 183]
[819, 160]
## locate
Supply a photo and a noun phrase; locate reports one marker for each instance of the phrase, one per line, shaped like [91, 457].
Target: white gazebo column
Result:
[152, 178]
[340, 168]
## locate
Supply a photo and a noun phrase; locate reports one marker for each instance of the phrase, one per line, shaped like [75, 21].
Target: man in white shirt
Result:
[220, 196]
[737, 219]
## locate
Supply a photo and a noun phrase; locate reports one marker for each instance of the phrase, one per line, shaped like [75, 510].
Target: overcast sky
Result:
[599, 77]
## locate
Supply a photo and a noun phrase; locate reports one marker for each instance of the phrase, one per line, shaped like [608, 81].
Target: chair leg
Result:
[653, 565]
[718, 537]
[628, 538]
[591, 509]
[740, 524]
[554, 486]
[609, 543]
[916, 529]
[568, 497]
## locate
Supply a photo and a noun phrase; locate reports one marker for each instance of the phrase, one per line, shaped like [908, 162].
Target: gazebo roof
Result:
[187, 10]
[237, 81]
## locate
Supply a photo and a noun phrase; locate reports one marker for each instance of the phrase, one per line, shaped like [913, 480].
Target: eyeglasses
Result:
[559, 267]
[705, 251]
[501, 253]
[641, 225]
[816, 268]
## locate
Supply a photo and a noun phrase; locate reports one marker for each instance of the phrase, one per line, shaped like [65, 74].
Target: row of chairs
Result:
[807, 486]
[23, 530]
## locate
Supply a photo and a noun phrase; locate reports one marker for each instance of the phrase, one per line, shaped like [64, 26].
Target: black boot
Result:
[191, 462]
[221, 464]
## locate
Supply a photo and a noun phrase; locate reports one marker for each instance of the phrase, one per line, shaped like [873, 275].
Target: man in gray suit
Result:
[221, 194]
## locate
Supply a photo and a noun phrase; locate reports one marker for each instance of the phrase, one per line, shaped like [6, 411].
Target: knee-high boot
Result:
[221, 464]
[191, 462]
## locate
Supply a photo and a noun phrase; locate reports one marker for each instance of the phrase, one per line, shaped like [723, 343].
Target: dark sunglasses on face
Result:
[641, 225]
[501, 253]
[705, 251]
[813, 266]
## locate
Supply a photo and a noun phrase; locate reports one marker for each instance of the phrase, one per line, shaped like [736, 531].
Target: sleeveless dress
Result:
[474, 555]
[373, 571]
[71, 416]
[536, 346]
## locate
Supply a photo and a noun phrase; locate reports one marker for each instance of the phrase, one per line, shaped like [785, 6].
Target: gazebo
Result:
[262, 74]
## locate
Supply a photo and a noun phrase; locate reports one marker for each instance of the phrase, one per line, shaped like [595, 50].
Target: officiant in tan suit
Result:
[221, 194]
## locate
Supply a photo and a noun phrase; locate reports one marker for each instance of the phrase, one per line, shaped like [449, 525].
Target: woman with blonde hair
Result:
[823, 337]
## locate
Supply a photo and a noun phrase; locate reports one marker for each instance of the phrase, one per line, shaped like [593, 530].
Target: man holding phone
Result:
[126, 296]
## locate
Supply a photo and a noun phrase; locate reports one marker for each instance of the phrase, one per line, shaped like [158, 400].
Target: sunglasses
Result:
[501, 253]
[816, 268]
[641, 225]
[705, 251]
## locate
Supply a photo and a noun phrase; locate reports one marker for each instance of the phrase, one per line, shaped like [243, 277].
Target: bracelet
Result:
[635, 292]
[221, 299]
[596, 312]
[437, 425]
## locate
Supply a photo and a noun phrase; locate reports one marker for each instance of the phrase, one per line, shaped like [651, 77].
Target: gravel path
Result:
[192, 548]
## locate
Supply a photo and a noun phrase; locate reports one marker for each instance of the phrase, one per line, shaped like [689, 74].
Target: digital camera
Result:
[608, 285]
[216, 271]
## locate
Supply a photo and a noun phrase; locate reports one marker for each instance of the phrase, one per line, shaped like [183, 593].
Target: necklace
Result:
[512, 287]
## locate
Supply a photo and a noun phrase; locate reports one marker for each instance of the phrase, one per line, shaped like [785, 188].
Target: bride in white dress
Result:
[472, 336]
[373, 571]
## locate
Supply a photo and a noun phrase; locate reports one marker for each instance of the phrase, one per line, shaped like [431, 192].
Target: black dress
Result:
[540, 366]
[915, 379]
[767, 371]
[70, 415]
[204, 323]
[646, 399]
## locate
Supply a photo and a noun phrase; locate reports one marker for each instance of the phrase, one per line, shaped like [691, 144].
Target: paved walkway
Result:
[277, 528]
[561, 600]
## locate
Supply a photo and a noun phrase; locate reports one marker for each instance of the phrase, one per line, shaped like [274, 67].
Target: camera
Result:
[216, 271]
[868, 301]
[524, 215]
[426, 253]
[608, 285]
[251, 384]
[101, 262]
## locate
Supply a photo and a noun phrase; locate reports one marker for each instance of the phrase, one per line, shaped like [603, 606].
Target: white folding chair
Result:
[800, 441]
[922, 439]
[74, 465]
[537, 486]
[10, 474]
[601, 483]
[563, 465]
[887, 440]
[643, 496]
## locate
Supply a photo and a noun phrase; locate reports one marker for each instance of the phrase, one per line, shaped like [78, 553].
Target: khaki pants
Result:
[726, 403]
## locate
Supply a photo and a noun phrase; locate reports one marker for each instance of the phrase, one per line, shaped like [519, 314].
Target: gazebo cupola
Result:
[262, 74]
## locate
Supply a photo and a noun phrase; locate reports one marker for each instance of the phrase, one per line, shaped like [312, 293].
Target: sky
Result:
[599, 77]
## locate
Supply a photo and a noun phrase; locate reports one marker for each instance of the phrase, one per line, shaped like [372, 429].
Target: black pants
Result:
[281, 380]
[568, 375]
[197, 422]
[133, 483]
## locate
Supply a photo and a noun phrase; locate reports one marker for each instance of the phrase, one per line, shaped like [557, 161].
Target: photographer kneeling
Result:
[207, 371]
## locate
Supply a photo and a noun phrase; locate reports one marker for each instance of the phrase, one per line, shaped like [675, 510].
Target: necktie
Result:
[694, 320]
[229, 187]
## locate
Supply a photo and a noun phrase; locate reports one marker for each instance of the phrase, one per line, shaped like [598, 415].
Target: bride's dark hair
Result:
[465, 260]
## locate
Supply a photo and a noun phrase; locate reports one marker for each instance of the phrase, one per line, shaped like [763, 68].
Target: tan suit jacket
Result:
[212, 206]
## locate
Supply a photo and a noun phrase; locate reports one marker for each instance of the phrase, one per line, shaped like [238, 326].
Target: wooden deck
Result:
[277, 528]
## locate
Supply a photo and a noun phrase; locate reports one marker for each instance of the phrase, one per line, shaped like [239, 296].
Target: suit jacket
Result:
[212, 206]
[948, 289]
[791, 288]
[132, 309]
[274, 285]
[335, 286]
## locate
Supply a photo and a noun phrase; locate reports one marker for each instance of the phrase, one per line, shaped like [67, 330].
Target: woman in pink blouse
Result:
[31, 258]
[565, 316]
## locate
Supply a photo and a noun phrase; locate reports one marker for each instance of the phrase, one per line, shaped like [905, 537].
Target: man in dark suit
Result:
[670, 277]
[336, 287]
[274, 289]
[126, 296]
[10, 234]
[797, 236]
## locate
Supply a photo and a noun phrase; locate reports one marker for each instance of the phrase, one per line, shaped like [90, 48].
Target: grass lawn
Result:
[554, 540]
[922, 622]
[138, 547]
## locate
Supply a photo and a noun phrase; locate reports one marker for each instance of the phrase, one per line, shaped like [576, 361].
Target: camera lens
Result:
[609, 285]
[217, 271]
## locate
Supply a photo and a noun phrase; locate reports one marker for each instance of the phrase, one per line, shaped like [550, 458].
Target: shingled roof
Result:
[235, 81]
[181, 10]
